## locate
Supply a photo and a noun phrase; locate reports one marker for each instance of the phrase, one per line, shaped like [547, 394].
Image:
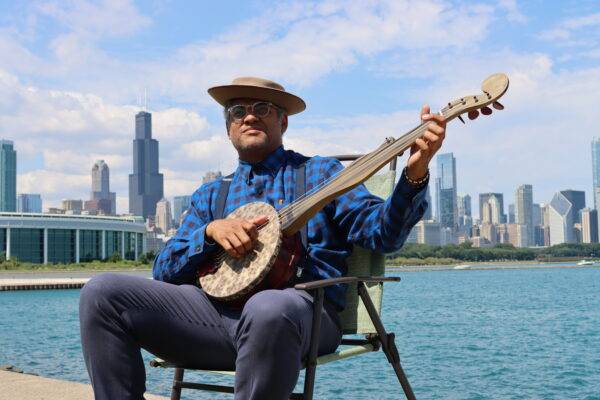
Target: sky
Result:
[74, 73]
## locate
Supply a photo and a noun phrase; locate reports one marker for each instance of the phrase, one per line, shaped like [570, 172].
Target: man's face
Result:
[256, 137]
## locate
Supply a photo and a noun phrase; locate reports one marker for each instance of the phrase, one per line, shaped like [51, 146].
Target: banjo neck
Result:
[295, 215]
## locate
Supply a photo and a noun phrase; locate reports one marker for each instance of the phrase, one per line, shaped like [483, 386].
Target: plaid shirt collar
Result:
[270, 165]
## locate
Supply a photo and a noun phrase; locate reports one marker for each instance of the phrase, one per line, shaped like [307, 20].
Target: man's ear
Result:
[284, 123]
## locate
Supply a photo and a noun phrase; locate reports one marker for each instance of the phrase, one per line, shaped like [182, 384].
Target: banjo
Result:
[272, 262]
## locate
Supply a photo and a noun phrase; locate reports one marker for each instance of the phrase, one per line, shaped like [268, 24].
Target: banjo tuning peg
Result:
[497, 105]
[473, 114]
[461, 119]
[486, 110]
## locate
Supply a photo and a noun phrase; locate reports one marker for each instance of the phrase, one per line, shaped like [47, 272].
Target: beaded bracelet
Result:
[416, 183]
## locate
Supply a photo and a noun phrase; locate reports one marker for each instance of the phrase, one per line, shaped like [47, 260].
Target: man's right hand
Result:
[236, 236]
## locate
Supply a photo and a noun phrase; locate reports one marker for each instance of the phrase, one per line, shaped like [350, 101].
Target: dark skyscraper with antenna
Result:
[146, 183]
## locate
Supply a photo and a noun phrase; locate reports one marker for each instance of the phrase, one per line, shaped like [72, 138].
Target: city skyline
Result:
[75, 81]
[102, 178]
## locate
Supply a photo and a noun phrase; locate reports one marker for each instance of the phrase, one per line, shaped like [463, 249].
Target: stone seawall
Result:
[42, 283]
[22, 386]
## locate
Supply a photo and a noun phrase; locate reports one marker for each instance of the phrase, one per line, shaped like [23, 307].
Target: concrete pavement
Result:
[30, 387]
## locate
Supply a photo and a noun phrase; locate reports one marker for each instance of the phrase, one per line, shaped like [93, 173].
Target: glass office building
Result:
[8, 176]
[595, 167]
[55, 238]
[447, 210]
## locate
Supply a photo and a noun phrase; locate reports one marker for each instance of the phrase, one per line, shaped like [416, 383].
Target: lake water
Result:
[462, 334]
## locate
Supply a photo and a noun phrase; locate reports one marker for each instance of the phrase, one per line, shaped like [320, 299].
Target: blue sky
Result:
[72, 74]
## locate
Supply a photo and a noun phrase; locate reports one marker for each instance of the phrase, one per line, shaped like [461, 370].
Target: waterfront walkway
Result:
[42, 283]
[39, 280]
[30, 387]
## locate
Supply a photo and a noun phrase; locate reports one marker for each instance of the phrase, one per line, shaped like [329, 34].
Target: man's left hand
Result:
[425, 147]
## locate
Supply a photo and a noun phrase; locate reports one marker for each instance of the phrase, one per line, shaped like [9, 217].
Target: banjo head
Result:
[234, 277]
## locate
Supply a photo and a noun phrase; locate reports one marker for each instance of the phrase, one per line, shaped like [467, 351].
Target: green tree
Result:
[115, 257]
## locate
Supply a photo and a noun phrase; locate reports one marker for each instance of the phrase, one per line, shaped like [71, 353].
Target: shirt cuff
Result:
[199, 243]
[409, 191]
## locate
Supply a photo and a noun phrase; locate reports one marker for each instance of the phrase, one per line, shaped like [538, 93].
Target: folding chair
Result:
[361, 315]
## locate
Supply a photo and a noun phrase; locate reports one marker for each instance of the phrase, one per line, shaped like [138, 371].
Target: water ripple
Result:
[484, 334]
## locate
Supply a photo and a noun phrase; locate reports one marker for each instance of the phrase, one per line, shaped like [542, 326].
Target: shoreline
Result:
[66, 271]
[35, 275]
[486, 266]
[71, 274]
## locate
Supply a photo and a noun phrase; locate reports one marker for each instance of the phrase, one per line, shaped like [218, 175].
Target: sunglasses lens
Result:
[237, 112]
[261, 109]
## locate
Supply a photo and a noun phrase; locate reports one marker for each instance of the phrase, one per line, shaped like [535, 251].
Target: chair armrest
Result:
[345, 279]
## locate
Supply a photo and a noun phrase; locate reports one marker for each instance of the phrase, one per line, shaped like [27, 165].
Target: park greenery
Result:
[113, 262]
[410, 254]
[422, 254]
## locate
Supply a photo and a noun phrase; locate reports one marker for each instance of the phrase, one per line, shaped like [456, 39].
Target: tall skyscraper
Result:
[491, 211]
[102, 199]
[563, 214]
[545, 211]
[465, 221]
[146, 183]
[180, 205]
[589, 225]
[8, 176]
[595, 169]
[524, 212]
[427, 232]
[465, 205]
[446, 191]
[577, 199]
[483, 197]
[429, 212]
[511, 213]
[29, 203]
[537, 215]
[163, 216]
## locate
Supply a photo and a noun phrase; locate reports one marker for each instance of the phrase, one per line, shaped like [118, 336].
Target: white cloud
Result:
[512, 10]
[104, 18]
[570, 31]
[73, 161]
[179, 186]
[54, 186]
[207, 150]
[297, 43]
[319, 40]
[176, 124]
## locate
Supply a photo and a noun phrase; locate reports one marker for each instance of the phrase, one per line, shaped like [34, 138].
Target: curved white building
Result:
[58, 238]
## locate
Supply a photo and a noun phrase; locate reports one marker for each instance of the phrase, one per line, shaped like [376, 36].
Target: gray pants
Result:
[264, 342]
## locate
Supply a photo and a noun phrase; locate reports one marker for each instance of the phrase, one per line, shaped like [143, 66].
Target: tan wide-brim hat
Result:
[260, 89]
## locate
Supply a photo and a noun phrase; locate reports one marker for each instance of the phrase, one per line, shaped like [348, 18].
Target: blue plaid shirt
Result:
[355, 217]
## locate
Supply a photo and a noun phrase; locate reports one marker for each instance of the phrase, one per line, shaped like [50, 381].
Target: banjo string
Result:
[357, 169]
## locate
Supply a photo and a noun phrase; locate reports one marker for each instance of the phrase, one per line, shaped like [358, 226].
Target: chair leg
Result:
[388, 344]
[311, 364]
[177, 379]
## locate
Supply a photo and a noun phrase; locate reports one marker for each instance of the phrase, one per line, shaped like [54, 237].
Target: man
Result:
[266, 340]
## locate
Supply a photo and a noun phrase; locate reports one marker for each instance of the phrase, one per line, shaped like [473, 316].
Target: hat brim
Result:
[291, 103]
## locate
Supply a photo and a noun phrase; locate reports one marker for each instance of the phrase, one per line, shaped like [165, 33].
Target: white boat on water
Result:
[586, 262]
[462, 266]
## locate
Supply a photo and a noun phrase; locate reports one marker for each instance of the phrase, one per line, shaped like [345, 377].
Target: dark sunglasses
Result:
[259, 109]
